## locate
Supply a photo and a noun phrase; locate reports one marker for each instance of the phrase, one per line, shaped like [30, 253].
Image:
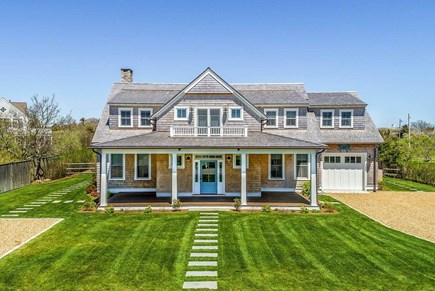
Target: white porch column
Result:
[174, 177]
[103, 180]
[313, 180]
[243, 195]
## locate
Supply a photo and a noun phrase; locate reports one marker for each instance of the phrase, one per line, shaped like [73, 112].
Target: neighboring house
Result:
[14, 114]
[212, 137]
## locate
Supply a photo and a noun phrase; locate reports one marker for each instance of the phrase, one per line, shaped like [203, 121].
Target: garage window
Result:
[352, 160]
[302, 166]
[332, 160]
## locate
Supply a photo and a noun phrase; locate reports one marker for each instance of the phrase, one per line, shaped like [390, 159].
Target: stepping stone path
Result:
[47, 199]
[203, 258]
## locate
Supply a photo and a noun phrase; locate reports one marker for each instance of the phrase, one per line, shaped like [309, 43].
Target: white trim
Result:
[205, 75]
[123, 167]
[230, 109]
[135, 167]
[119, 190]
[176, 112]
[295, 176]
[234, 161]
[351, 118]
[297, 117]
[321, 118]
[119, 116]
[182, 161]
[139, 118]
[214, 151]
[283, 169]
[277, 118]
[278, 190]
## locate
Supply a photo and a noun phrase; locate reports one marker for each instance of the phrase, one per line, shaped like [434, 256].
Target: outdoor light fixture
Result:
[229, 158]
[187, 158]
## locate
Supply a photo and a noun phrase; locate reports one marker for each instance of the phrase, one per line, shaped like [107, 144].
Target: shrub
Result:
[176, 204]
[304, 210]
[91, 188]
[419, 172]
[148, 209]
[380, 185]
[306, 188]
[109, 209]
[266, 209]
[327, 206]
[237, 204]
[89, 203]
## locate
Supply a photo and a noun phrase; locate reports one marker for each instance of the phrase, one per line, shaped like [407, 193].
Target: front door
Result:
[208, 177]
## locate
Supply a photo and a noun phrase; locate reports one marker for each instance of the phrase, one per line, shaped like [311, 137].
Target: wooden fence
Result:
[79, 168]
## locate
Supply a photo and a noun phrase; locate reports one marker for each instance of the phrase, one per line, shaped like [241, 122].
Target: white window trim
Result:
[277, 117]
[123, 167]
[321, 118]
[234, 161]
[119, 116]
[296, 178]
[297, 117]
[351, 118]
[182, 161]
[283, 169]
[135, 167]
[139, 118]
[230, 113]
[181, 118]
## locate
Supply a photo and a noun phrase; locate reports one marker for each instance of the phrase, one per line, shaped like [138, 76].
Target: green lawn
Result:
[394, 184]
[270, 251]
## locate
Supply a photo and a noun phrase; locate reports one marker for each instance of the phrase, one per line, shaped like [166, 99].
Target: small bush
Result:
[315, 211]
[109, 209]
[176, 204]
[237, 204]
[89, 203]
[304, 210]
[327, 206]
[266, 209]
[306, 188]
[380, 185]
[91, 188]
[148, 209]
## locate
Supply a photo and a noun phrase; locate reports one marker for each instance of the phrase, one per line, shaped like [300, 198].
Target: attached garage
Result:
[344, 172]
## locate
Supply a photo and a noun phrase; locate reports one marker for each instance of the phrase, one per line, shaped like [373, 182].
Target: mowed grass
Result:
[394, 184]
[270, 251]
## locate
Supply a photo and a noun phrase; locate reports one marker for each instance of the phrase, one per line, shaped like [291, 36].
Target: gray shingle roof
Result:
[158, 140]
[334, 99]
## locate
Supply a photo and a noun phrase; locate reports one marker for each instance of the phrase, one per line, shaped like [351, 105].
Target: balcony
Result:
[208, 131]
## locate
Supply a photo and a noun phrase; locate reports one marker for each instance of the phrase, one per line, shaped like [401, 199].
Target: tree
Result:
[422, 126]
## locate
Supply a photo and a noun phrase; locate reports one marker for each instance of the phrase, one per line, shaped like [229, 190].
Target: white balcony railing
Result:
[189, 131]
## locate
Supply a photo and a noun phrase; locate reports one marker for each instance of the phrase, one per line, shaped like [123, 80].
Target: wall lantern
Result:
[188, 158]
[229, 158]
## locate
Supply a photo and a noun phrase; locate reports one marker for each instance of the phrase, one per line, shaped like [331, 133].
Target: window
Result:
[352, 160]
[236, 113]
[276, 167]
[181, 113]
[144, 117]
[332, 160]
[237, 161]
[301, 166]
[143, 167]
[327, 118]
[346, 118]
[272, 117]
[125, 117]
[180, 161]
[291, 118]
[117, 167]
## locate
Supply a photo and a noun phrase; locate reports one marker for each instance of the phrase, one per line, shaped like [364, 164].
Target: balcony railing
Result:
[192, 131]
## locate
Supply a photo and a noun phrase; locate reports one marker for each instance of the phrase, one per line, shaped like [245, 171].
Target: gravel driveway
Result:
[15, 232]
[409, 212]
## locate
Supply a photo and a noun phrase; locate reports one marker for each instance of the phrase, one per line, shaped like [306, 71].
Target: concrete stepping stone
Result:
[208, 213]
[208, 220]
[68, 201]
[38, 202]
[206, 234]
[18, 211]
[56, 201]
[202, 264]
[32, 205]
[205, 255]
[204, 248]
[206, 229]
[22, 208]
[208, 224]
[200, 285]
[10, 215]
[208, 217]
[81, 201]
[201, 274]
[205, 241]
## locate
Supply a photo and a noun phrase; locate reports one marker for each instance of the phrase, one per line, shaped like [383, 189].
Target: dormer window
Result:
[144, 117]
[291, 118]
[181, 113]
[346, 118]
[327, 118]
[125, 117]
[272, 117]
[236, 113]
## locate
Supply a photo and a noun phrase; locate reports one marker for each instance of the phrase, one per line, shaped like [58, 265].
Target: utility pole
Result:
[409, 130]
[400, 125]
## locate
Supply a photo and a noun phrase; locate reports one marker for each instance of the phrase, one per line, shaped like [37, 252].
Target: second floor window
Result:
[125, 117]
[236, 113]
[145, 117]
[291, 118]
[272, 117]
[181, 113]
[327, 118]
[346, 118]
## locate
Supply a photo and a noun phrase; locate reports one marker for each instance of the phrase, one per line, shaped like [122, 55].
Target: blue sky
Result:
[385, 50]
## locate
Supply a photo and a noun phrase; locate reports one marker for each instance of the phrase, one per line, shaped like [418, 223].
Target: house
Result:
[13, 114]
[213, 139]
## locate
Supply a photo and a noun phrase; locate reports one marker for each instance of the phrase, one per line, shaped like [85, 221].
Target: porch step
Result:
[200, 285]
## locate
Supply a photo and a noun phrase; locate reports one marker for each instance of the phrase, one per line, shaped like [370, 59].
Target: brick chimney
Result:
[126, 75]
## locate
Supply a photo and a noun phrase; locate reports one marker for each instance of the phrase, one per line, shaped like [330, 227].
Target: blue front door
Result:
[208, 176]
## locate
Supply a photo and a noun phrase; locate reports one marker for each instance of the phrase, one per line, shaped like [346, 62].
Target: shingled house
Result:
[217, 140]
[14, 114]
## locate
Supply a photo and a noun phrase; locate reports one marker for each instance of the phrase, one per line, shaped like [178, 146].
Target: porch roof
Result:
[158, 140]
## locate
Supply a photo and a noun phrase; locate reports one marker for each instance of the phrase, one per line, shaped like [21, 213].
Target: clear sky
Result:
[385, 50]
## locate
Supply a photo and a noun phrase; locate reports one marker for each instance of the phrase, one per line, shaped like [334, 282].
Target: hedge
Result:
[419, 172]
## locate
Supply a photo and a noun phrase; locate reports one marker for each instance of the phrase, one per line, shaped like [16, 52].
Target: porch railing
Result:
[192, 131]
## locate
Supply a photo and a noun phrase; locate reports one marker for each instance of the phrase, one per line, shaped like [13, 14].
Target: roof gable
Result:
[12, 108]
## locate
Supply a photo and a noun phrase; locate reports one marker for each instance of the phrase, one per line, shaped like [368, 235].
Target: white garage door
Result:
[343, 172]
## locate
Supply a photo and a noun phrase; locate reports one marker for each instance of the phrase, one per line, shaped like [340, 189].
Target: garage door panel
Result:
[343, 176]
